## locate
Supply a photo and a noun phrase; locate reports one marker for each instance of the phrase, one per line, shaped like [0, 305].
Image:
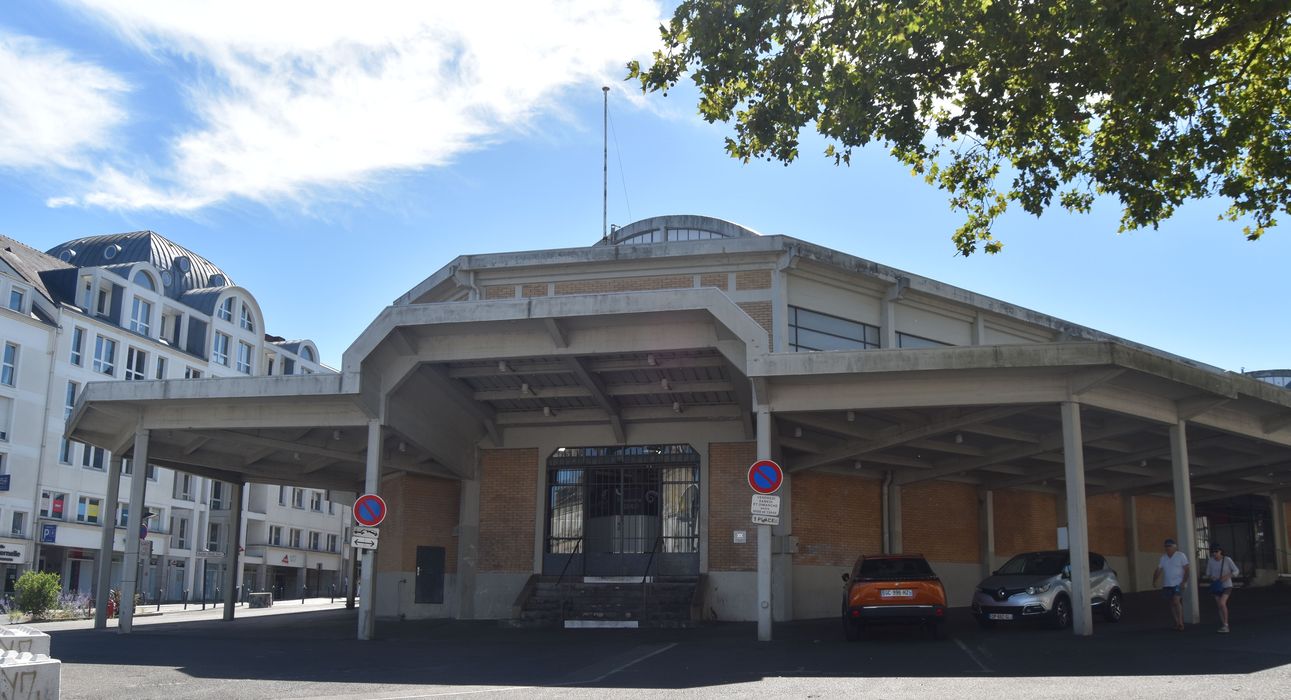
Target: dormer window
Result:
[246, 320]
[307, 354]
[226, 310]
[17, 299]
[144, 280]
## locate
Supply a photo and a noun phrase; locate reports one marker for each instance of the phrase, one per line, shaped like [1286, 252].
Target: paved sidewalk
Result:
[176, 612]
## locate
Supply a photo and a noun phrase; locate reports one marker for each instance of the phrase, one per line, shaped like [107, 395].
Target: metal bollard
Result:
[302, 594]
[333, 600]
[158, 600]
[185, 598]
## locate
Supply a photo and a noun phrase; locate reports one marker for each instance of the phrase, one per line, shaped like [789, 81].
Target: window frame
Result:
[136, 367]
[9, 364]
[220, 348]
[77, 356]
[103, 345]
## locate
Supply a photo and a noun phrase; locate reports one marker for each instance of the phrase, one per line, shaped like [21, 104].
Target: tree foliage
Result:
[1009, 102]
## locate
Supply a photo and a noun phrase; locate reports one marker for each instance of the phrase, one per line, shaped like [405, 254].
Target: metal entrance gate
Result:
[623, 511]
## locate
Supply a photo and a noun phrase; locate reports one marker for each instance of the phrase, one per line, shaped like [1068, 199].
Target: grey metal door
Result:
[429, 587]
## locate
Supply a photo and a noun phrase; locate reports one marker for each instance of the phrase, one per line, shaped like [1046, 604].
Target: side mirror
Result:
[846, 577]
[1066, 571]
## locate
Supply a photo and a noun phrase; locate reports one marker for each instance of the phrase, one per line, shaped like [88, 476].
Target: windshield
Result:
[894, 569]
[1035, 564]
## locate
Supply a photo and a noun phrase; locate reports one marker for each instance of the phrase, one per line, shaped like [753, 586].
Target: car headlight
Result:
[1042, 588]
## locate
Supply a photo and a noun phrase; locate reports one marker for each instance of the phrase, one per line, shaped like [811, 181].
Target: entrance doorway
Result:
[623, 511]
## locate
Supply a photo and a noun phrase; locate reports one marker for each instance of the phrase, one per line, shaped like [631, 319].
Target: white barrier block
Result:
[26, 676]
[24, 638]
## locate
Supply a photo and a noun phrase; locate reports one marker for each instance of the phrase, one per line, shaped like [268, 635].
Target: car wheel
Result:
[851, 630]
[985, 623]
[1112, 610]
[1060, 616]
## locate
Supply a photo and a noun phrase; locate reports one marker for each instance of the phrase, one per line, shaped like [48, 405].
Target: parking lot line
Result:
[624, 666]
[974, 657]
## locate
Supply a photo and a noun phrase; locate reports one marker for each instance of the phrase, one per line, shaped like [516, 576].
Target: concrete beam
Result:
[461, 393]
[898, 435]
[1048, 443]
[592, 383]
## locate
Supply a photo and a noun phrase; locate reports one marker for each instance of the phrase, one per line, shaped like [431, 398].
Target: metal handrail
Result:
[569, 559]
[650, 562]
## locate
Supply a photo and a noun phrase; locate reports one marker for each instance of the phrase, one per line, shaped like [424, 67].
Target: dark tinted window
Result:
[1096, 562]
[903, 568]
[1035, 564]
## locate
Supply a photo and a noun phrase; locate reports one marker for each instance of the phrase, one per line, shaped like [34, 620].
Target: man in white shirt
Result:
[1172, 571]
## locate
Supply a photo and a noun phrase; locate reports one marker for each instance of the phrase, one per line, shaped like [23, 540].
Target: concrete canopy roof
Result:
[988, 415]
[441, 377]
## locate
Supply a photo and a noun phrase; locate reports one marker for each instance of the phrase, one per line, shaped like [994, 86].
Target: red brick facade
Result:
[728, 507]
[500, 291]
[753, 279]
[1106, 524]
[625, 284]
[836, 518]
[940, 520]
[1156, 521]
[1025, 521]
[423, 511]
[508, 481]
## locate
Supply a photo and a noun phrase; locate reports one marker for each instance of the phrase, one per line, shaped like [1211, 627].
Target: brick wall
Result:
[500, 291]
[534, 290]
[422, 513]
[508, 479]
[939, 519]
[753, 279]
[713, 279]
[625, 284]
[836, 518]
[1025, 521]
[1156, 522]
[760, 311]
[728, 506]
[1106, 524]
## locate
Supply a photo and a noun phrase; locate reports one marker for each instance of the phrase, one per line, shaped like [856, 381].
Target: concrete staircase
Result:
[544, 602]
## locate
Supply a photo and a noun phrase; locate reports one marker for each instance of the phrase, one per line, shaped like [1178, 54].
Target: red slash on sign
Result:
[765, 476]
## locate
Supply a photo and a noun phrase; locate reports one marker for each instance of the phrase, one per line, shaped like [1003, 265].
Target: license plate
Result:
[1001, 616]
[897, 593]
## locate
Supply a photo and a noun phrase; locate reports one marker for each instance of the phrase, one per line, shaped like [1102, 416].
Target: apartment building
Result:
[138, 307]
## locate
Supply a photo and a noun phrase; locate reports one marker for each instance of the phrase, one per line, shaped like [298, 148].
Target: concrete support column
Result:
[1131, 543]
[262, 578]
[986, 526]
[108, 513]
[353, 587]
[241, 584]
[782, 558]
[232, 559]
[896, 535]
[764, 536]
[130, 568]
[1281, 557]
[468, 543]
[371, 484]
[1073, 452]
[1184, 519]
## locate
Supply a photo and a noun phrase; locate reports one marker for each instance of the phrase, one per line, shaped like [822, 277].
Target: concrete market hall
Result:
[592, 413]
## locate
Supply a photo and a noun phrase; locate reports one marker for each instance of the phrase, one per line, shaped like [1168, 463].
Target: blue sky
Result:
[329, 160]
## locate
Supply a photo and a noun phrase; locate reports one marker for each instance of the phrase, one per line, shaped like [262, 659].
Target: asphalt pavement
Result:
[311, 652]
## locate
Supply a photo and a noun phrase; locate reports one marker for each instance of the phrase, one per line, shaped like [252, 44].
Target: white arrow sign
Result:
[363, 542]
[368, 532]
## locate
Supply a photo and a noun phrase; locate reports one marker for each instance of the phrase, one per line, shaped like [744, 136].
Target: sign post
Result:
[765, 478]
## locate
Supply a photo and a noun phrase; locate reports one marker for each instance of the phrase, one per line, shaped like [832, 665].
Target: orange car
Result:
[893, 588]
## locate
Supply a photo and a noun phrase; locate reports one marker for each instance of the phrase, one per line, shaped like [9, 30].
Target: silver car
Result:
[1037, 586]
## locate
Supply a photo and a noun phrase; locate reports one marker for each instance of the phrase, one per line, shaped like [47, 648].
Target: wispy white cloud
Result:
[54, 109]
[297, 97]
